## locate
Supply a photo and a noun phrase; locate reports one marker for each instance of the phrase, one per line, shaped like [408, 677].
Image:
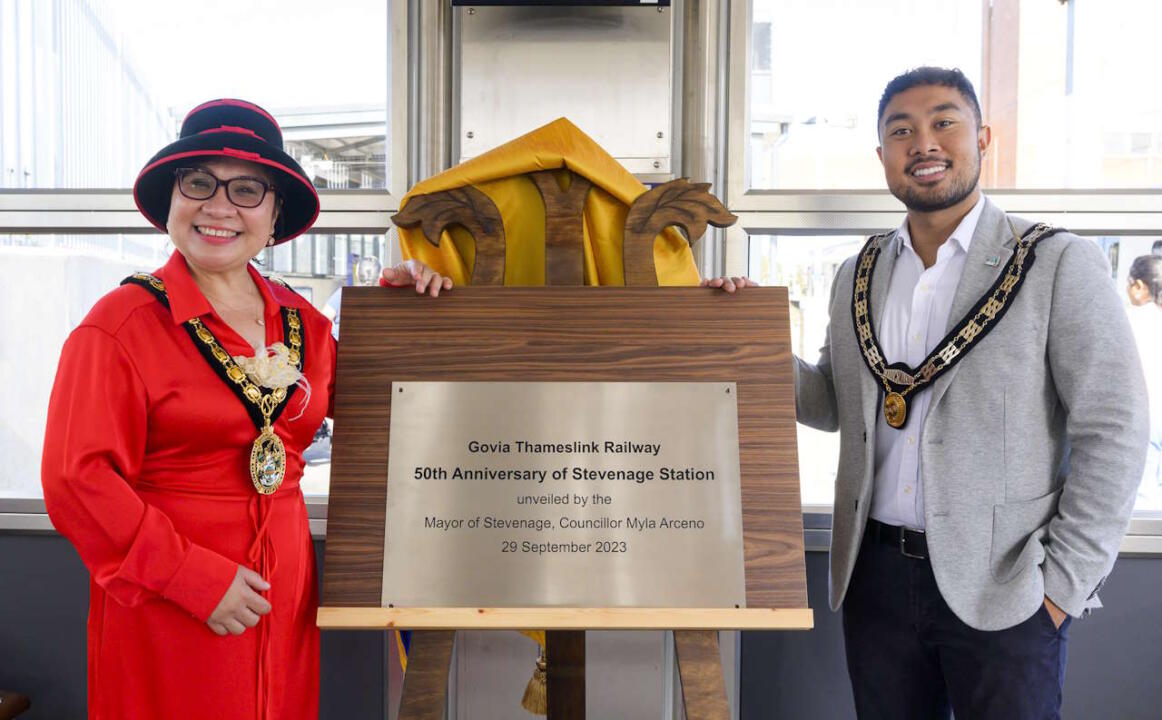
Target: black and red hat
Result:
[232, 129]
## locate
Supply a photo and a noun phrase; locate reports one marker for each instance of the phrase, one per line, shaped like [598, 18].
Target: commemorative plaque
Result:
[566, 494]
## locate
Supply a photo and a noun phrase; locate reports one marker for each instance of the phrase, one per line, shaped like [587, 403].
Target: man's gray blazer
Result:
[1033, 445]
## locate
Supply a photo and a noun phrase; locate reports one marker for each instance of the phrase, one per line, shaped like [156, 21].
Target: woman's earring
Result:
[270, 242]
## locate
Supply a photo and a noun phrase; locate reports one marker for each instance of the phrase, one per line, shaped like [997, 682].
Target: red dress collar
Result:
[187, 301]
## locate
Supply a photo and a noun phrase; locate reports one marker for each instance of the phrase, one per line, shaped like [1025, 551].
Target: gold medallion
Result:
[267, 462]
[895, 409]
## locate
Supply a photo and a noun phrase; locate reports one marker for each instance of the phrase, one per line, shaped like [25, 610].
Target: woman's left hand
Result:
[411, 272]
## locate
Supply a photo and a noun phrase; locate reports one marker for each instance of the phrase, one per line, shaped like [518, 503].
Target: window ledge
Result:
[1144, 538]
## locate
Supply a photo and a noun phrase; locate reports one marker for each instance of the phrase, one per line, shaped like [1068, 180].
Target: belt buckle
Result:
[904, 546]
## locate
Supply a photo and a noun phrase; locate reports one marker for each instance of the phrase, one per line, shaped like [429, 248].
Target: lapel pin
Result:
[993, 260]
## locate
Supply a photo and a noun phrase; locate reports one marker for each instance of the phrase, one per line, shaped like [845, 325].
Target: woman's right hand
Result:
[729, 284]
[241, 606]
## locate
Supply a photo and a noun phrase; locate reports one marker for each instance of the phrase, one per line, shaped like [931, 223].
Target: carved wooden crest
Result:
[470, 208]
[687, 205]
[679, 202]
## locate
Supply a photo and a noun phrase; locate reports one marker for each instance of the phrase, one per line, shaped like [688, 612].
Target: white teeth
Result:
[213, 232]
[928, 171]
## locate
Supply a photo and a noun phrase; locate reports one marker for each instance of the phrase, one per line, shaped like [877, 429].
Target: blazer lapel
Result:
[992, 241]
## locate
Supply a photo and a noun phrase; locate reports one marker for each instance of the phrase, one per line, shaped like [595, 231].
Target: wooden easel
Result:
[565, 332]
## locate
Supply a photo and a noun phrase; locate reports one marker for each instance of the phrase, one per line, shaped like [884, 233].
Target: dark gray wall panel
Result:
[1114, 655]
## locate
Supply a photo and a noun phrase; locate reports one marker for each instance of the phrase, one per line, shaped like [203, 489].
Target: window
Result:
[806, 265]
[52, 281]
[1060, 85]
[89, 90]
[813, 107]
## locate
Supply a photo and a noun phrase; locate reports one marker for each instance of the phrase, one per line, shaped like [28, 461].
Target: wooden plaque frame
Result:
[561, 334]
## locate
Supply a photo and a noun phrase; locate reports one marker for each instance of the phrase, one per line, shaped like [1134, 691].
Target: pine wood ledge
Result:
[373, 618]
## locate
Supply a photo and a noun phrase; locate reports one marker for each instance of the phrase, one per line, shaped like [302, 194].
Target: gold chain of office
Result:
[900, 380]
[267, 454]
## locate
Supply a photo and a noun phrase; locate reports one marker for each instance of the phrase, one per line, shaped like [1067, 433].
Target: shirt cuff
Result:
[201, 581]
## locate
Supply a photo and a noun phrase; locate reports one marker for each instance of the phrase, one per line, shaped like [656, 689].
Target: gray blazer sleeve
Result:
[1098, 376]
[815, 403]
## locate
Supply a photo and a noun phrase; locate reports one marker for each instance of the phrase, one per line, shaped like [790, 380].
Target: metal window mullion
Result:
[737, 101]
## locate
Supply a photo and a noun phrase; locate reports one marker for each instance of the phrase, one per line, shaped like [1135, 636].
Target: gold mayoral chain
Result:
[898, 379]
[267, 454]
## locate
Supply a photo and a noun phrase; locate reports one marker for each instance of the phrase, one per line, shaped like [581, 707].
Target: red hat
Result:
[232, 129]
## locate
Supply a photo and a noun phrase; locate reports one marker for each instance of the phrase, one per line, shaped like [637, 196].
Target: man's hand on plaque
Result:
[414, 272]
[730, 284]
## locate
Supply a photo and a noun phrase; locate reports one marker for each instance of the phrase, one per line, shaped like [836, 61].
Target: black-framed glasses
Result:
[201, 184]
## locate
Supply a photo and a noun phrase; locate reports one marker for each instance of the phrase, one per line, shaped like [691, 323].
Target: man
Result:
[992, 430]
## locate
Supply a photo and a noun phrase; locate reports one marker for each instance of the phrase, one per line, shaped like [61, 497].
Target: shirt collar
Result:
[962, 234]
[187, 301]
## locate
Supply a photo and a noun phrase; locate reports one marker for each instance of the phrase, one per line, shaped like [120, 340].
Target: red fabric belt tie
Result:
[263, 558]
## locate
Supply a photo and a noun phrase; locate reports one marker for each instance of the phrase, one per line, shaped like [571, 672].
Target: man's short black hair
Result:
[925, 76]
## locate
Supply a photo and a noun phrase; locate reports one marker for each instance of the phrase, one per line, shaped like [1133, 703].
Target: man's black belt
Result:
[910, 543]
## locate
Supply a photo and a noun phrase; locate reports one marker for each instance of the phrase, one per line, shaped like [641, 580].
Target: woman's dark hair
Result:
[1148, 269]
[926, 76]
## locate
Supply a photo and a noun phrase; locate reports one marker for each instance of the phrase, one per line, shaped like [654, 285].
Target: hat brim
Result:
[153, 188]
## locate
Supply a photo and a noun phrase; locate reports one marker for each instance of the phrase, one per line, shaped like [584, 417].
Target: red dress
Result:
[146, 472]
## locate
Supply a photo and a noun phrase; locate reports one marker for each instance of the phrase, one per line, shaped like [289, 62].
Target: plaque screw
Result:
[471, 134]
[401, 390]
[657, 164]
[661, 134]
[471, 11]
[727, 391]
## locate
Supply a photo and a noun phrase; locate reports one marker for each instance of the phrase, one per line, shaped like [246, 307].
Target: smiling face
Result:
[215, 235]
[931, 148]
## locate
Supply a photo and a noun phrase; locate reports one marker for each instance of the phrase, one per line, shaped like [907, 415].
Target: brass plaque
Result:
[563, 494]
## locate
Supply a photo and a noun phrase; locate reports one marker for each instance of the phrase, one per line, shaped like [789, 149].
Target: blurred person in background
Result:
[1144, 289]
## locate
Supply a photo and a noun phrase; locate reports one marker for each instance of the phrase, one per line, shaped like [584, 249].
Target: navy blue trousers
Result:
[909, 656]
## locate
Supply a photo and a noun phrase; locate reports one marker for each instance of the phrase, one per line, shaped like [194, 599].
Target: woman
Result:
[1145, 293]
[176, 427]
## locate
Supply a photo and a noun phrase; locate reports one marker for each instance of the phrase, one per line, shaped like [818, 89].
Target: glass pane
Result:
[343, 264]
[1060, 84]
[813, 109]
[1146, 323]
[303, 254]
[281, 256]
[90, 90]
[49, 283]
[1076, 116]
[322, 264]
[806, 265]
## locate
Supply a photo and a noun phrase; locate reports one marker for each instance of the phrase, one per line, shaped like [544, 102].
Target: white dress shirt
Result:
[914, 319]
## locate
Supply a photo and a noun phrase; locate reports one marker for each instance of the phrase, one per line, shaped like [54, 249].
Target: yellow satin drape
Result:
[501, 175]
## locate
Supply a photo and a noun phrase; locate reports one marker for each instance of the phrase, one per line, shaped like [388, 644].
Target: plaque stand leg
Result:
[425, 684]
[565, 682]
[700, 668]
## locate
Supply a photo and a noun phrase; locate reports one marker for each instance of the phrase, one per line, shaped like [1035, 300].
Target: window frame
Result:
[415, 150]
